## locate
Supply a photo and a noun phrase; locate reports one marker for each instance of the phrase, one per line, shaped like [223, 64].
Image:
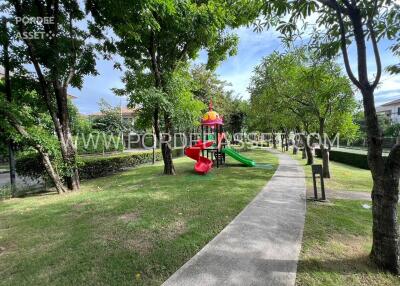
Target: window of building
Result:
[398, 111]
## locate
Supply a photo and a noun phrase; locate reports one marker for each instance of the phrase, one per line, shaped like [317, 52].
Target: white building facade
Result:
[391, 110]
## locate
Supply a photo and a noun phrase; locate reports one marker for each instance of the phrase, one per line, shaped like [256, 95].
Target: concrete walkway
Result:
[261, 245]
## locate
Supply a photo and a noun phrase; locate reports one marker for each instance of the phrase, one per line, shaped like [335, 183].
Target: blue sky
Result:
[237, 70]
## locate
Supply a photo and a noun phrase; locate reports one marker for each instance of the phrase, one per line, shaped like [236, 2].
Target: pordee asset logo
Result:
[148, 141]
[26, 34]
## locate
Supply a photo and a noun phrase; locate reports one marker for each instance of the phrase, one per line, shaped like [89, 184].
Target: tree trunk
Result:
[166, 150]
[169, 168]
[310, 157]
[6, 64]
[51, 172]
[307, 150]
[73, 179]
[385, 233]
[273, 140]
[304, 142]
[11, 159]
[325, 162]
[68, 151]
[286, 140]
[385, 248]
[295, 145]
[324, 151]
[303, 153]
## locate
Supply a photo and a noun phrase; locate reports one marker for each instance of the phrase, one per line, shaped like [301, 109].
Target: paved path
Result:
[261, 245]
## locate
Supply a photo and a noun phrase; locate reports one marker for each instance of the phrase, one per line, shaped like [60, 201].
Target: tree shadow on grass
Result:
[39, 192]
[346, 266]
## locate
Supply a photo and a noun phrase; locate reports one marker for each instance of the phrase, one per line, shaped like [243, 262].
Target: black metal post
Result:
[202, 139]
[317, 170]
[322, 187]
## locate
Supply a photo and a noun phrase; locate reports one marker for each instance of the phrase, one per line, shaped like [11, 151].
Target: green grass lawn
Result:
[132, 228]
[343, 177]
[337, 236]
[336, 245]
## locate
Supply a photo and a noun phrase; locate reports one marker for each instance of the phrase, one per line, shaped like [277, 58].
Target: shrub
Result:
[30, 165]
[93, 167]
[358, 160]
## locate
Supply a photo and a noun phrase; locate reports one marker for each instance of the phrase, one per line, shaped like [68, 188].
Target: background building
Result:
[127, 115]
[391, 110]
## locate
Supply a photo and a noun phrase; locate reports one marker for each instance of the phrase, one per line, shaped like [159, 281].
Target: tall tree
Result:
[207, 86]
[27, 123]
[299, 88]
[57, 50]
[154, 37]
[236, 119]
[340, 23]
[327, 95]
[5, 42]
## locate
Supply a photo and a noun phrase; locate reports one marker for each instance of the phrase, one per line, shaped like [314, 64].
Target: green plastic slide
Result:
[235, 155]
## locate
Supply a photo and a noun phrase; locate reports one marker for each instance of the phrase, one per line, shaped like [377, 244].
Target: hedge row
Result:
[30, 165]
[93, 167]
[350, 158]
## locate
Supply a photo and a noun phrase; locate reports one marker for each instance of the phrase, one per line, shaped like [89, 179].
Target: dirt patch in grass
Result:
[141, 243]
[131, 188]
[130, 217]
[336, 253]
[79, 206]
[175, 229]
[2, 250]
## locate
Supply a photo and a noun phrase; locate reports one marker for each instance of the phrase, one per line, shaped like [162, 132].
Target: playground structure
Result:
[213, 144]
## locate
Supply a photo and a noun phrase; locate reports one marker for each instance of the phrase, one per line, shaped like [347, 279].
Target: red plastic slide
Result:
[203, 165]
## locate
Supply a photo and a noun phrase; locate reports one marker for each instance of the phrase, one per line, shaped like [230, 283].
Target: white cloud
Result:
[252, 48]
[388, 89]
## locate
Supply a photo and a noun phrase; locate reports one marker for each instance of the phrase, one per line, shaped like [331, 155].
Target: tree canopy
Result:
[297, 90]
[156, 39]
